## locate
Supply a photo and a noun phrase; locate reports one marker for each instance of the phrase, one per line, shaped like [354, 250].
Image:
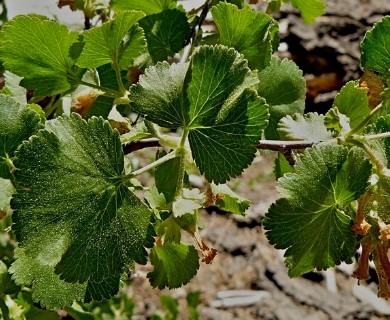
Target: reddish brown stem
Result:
[360, 225]
[362, 271]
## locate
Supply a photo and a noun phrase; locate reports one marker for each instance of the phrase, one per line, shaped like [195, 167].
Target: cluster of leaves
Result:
[148, 76]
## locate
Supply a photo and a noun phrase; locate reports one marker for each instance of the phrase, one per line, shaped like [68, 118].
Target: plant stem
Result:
[152, 165]
[182, 153]
[106, 91]
[188, 49]
[119, 79]
[274, 145]
[365, 121]
[370, 153]
[375, 136]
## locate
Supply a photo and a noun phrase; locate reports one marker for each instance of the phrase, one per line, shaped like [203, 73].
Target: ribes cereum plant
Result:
[208, 99]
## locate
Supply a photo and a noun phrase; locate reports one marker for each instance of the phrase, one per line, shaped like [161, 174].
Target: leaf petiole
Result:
[150, 166]
[365, 121]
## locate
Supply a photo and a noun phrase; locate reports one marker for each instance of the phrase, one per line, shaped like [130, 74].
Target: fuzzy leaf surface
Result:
[159, 94]
[118, 41]
[70, 199]
[17, 123]
[283, 87]
[312, 220]
[226, 116]
[166, 33]
[38, 50]
[212, 99]
[353, 102]
[376, 48]
[309, 126]
[251, 33]
[174, 265]
[310, 9]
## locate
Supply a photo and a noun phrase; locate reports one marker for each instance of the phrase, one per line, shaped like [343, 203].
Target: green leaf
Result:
[337, 121]
[166, 33]
[284, 88]
[159, 94]
[171, 305]
[213, 100]
[353, 102]
[38, 50]
[166, 176]
[313, 219]
[174, 265]
[282, 166]
[310, 9]
[226, 199]
[70, 200]
[226, 116]
[18, 124]
[7, 190]
[148, 7]
[309, 126]
[13, 88]
[253, 34]
[381, 147]
[169, 230]
[118, 41]
[376, 48]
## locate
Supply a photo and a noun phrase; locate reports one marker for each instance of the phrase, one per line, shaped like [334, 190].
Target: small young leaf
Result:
[253, 34]
[284, 88]
[38, 50]
[353, 102]
[118, 41]
[226, 199]
[13, 88]
[70, 198]
[174, 265]
[18, 124]
[148, 7]
[376, 48]
[166, 33]
[310, 9]
[309, 126]
[313, 219]
[337, 121]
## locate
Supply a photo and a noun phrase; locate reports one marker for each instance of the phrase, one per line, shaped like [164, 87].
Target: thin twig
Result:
[274, 145]
[195, 30]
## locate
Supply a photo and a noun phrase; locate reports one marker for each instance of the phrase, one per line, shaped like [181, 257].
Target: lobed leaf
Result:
[174, 265]
[226, 116]
[18, 124]
[212, 99]
[310, 9]
[159, 94]
[313, 218]
[39, 51]
[166, 33]
[376, 48]
[72, 215]
[353, 102]
[253, 34]
[118, 41]
[309, 126]
[284, 88]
